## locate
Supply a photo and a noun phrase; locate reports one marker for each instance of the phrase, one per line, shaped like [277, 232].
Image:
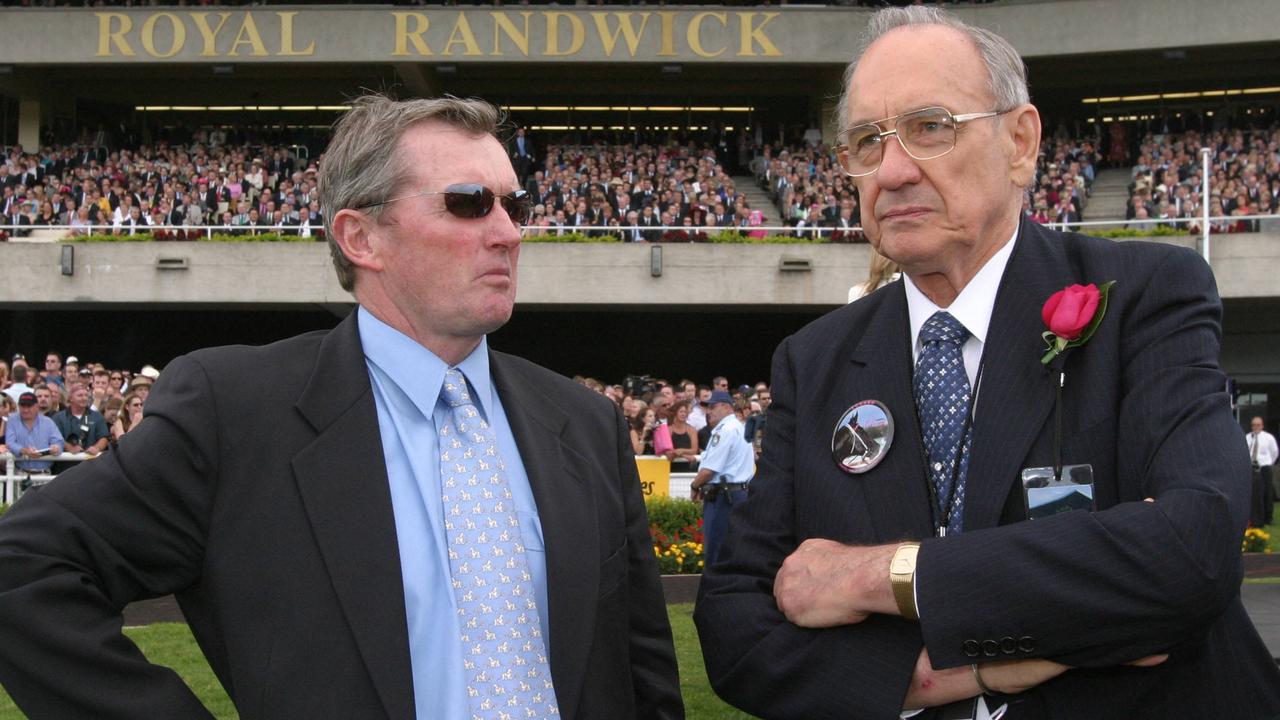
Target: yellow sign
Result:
[655, 476]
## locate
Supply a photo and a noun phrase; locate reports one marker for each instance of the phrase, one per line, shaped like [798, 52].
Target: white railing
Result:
[70, 232]
[627, 231]
[13, 480]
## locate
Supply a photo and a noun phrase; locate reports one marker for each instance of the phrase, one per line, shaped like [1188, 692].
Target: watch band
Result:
[902, 578]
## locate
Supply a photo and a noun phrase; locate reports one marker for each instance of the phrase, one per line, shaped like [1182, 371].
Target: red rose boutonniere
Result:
[1072, 315]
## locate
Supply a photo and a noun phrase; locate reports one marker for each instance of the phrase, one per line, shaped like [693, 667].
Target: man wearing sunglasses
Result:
[394, 521]
[917, 584]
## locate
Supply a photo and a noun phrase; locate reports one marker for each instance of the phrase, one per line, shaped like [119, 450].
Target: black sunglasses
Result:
[472, 200]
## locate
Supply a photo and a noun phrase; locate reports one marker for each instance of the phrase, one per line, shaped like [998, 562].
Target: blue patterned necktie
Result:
[942, 398]
[504, 655]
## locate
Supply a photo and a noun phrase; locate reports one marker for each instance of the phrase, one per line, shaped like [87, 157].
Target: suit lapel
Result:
[896, 491]
[567, 513]
[1015, 394]
[342, 479]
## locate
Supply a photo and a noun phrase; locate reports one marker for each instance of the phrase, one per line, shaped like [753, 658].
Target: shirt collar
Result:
[418, 372]
[972, 307]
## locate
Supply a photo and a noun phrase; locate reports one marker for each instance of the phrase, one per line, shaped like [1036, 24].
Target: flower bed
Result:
[1256, 540]
[675, 526]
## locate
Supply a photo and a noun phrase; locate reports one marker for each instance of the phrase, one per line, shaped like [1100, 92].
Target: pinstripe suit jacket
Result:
[1144, 404]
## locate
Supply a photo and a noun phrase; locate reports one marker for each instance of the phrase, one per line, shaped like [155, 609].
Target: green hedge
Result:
[572, 237]
[723, 236]
[3, 507]
[673, 516]
[1161, 231]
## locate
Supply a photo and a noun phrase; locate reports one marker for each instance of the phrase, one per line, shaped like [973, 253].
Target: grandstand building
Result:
[733, 76]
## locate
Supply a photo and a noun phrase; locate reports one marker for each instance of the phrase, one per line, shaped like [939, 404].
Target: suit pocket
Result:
[613, 570]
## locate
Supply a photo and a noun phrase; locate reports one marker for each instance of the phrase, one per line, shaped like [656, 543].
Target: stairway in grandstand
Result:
[757, 199]
[1110, 195]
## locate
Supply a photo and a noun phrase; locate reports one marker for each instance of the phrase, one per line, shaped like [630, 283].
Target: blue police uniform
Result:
[730, 457]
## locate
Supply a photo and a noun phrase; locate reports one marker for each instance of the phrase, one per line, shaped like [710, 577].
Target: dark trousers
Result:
[1263, 501]
[715, 521]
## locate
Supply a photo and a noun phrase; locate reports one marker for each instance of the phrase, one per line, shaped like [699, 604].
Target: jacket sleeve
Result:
[126, 526]
[1103, 588]
[756, 659]
[654, 675]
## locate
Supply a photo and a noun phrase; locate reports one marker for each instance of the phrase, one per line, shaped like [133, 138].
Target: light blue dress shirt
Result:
[728, 453]
[406, 380]
[42, 435]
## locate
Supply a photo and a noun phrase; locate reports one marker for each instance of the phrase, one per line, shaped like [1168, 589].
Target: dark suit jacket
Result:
[261, 500]
[1144, 403]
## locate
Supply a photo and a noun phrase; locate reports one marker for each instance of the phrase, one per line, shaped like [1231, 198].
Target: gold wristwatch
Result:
[902, 578]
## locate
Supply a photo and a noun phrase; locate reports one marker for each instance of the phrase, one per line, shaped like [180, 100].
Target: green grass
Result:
[171, 644]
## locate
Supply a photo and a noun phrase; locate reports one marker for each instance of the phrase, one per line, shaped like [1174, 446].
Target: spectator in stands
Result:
[641, 433]
[46, 217]
[15, 217]
[82, 428]
[7, 408]
[140, 384]
[684, 437]
[131, 224]
[130, 415]
[19, 384]
[100, 389]
[81, 223]
[111, 412]
[29, 435]
[52, 367]
[44, 399]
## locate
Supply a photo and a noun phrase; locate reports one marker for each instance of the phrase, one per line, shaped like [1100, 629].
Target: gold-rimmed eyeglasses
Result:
[924, 134]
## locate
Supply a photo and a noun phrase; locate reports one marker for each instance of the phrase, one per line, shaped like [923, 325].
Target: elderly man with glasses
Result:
[930, 574]
[394, 521]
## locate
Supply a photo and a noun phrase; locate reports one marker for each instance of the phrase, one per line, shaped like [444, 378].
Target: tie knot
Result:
[455, 392]
[943, 327]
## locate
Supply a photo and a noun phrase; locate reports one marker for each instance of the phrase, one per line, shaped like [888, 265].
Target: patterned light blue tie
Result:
[505, 661]
[942, 397]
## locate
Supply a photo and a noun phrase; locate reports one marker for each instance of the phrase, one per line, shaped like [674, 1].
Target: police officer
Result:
[725, 469]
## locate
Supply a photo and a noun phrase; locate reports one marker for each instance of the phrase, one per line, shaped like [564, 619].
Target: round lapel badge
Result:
[862, 437]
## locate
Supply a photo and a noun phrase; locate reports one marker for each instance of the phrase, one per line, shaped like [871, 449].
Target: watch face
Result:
[904, 560]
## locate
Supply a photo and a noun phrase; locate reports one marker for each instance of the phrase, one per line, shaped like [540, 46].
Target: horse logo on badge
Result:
[862, 437]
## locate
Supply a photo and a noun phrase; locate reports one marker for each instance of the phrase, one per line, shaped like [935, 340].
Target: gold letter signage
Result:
[373, 36]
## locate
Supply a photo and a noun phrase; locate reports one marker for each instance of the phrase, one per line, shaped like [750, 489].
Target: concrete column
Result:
[29, 124]
[828, 84]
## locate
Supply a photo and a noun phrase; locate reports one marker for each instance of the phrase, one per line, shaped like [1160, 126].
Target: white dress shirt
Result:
[973, 308]
[1267, 450]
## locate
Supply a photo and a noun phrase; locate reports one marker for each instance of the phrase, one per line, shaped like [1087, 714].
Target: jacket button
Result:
[970, 648]
[1008, 645]
[1027, 644]
[990, 648]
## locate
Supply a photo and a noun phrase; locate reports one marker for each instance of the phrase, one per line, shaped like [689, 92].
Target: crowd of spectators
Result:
[669, 419]
[810, 191]
[66, 406]
[1065, 171]
[244, 189]
[674, 189]
[669, 188]
[1166, 187]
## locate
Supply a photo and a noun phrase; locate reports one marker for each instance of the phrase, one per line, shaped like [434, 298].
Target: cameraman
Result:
[83, 427]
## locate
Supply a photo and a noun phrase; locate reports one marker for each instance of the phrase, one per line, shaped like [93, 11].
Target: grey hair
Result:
[1006, 73]
[361, 166]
